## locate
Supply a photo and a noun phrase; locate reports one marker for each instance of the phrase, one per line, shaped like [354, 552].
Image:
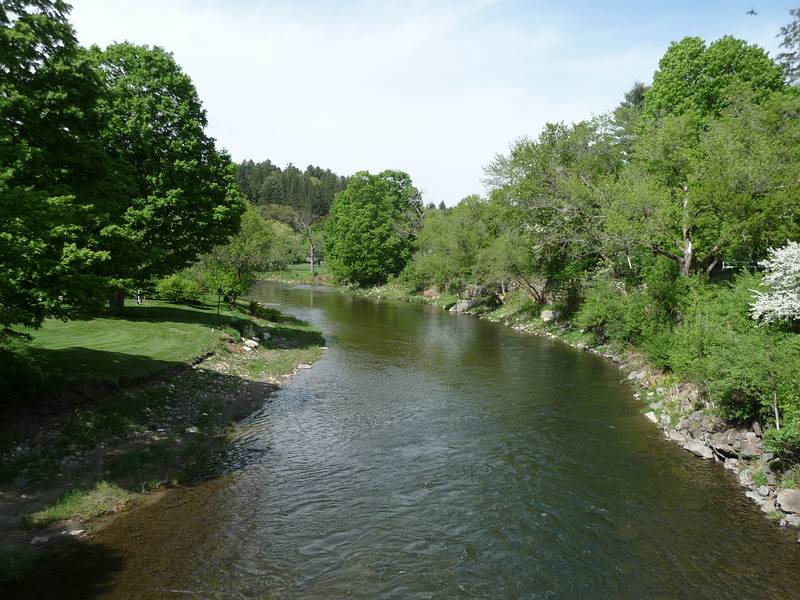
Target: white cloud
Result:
[433, 88]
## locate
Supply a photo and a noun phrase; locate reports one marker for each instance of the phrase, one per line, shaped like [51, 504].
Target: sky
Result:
[435, 88]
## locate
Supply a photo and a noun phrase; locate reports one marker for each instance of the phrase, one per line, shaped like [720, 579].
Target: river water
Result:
[429, 455]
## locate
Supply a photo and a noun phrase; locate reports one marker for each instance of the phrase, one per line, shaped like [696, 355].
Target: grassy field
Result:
[299, 273]
[141, 340]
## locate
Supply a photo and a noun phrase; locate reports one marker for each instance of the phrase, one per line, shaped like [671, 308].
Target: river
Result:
[429, 455]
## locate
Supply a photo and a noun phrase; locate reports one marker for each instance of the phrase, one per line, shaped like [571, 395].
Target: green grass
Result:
[299, 273]
[143, 339]
[104, 498]
[790, 478]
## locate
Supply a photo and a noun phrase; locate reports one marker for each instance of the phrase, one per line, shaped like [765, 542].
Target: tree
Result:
[782, 280]
[628, 113]
[701, 196]
[55, 180]
[790, 57]
[693, 77]
[551, 186]
[233, 266]
[449, 243]
[181, 198]
[370, 232]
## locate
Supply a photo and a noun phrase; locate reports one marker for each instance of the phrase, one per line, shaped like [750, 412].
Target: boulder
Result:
[431, 293]
[763, 491]
[733, 443]
[732, 464]
[652, 417]
[789, 500]
[745, 479]
[474, 292]
[463, 305]
[699, 449]
[757, 429]
[676, 436]
[794, 521]
[251, 343]
[548, 316]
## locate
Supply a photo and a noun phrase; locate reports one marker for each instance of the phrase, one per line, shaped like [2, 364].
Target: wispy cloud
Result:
[432, 87]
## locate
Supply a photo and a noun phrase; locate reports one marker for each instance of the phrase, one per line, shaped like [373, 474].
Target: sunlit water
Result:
[429, 455]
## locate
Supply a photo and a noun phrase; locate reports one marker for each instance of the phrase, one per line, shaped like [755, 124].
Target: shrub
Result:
[612, 313]
[263, 312]
[179, 288]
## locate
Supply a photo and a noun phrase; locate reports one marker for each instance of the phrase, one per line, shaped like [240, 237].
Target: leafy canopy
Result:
[370, 232]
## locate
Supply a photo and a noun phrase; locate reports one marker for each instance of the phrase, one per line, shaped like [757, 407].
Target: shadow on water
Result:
[78, 571]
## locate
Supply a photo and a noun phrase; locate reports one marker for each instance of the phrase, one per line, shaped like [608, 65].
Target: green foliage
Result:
[370, 231]
[84, 504]
[181, 198]
[179, 288]
[233, 267]
[749, 371]
[55, 180]
[265, 183]
[264, 312]
[612, 313]
[449, 244]
[785, 440]
[693, 77]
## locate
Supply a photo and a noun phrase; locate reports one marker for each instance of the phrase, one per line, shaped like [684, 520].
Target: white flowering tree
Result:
[781, 301]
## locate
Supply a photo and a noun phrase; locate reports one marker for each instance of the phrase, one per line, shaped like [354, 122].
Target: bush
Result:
[612, 313]
[263, 312]
[179, 288]
[744, 367]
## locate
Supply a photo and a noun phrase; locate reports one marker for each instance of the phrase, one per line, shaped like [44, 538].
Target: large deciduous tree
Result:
[370, 232]
[694, 77]
[181, 196]
[56, 183]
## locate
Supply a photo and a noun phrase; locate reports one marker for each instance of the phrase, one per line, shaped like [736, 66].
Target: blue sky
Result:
[435, 88]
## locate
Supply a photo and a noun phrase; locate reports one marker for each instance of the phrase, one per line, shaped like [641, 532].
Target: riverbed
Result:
[431, 455]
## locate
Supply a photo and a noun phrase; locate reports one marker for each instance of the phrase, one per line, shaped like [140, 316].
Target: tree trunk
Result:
[774, 392]
[688, 247]
[312, 259]
[116, 300]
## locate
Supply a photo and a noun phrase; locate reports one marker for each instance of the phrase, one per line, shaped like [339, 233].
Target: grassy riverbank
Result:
[300, 273]
[140, 402]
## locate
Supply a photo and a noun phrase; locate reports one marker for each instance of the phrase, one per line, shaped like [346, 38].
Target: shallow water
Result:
[429, 455]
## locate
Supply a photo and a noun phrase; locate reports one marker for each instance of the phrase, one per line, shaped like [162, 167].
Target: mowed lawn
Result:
[141, 340]
[297, 273]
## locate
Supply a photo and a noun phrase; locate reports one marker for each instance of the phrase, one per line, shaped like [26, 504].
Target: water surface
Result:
[429, 455]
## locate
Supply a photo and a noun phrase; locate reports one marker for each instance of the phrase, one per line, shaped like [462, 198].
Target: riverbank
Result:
[100, 446]
[678, 408]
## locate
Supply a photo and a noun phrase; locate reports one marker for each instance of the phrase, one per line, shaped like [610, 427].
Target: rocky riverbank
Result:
[79, 467]
[680, 411]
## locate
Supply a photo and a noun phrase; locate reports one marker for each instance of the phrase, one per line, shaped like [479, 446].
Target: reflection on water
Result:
[432, 456]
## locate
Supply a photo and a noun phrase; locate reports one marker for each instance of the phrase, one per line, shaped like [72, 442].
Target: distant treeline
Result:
[265, 183]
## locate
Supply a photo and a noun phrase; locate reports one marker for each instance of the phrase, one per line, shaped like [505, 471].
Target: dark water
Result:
[438, 456]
